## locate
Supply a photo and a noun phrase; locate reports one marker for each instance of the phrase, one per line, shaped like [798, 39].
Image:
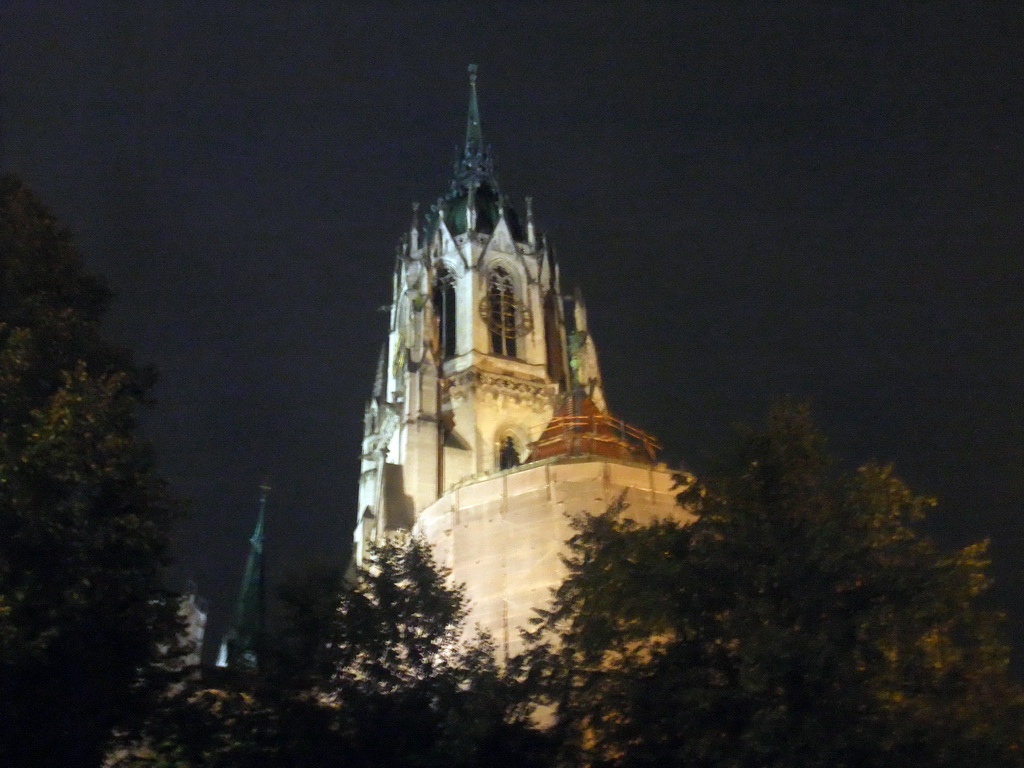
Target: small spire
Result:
[414, 229]
[257, 535]
[580, 309]
[474, 167]
[474, 133]
[242, 645]
[531, 235]
[382, 367]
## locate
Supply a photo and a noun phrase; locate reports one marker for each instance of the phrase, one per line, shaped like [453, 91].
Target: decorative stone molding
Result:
[388, 424]
[456, 387]
[523, 325]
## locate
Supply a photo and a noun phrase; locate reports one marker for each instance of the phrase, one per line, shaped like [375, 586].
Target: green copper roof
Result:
[473, 179]
[475, 167]
[247, 631]
[474, 133]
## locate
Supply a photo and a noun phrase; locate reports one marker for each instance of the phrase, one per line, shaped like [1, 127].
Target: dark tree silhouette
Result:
[83, 520]
[390, 681]
[802, 620]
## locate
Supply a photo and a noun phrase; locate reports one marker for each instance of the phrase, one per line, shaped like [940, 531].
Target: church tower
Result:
[488, 375]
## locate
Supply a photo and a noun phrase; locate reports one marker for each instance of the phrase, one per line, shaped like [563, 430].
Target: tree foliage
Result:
[392, 681]
[802, 620]
[300, 651]
[404, 664]
[83, 520]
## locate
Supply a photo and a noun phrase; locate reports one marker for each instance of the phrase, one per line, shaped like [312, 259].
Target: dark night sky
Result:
[821, 199]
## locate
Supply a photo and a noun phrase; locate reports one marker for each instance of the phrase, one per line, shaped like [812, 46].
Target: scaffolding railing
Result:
[576, 435]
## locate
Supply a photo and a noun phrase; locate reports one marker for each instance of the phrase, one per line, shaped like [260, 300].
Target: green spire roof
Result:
[474, 133]
[246, 634]
[475, 168]
[473, 186]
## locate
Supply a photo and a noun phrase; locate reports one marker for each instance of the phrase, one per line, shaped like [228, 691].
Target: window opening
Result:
[508, 456]
[502, 302]
[444, 308]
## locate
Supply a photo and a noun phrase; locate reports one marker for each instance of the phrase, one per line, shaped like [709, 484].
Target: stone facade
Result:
[503, 536]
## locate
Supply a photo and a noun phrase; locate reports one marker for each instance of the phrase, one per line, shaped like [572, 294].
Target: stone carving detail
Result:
[388, 424]
[458, 386]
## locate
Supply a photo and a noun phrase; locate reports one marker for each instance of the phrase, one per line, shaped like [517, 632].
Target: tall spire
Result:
[242, 644]
[475, 167]
[474, 133]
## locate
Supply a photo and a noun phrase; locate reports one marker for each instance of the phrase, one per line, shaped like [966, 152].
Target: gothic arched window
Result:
[501, 296]
[444, 308]
[508, 454]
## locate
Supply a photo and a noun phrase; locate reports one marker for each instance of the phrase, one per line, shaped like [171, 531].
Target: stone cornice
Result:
[458, 385]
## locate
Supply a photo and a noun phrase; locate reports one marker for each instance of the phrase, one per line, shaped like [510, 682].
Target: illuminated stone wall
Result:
[503, 536]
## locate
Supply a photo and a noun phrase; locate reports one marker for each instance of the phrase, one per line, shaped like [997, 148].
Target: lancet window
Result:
[502, 306]
[508, 454]
[444, 309]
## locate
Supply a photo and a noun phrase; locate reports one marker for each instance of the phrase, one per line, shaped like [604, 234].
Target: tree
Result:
[84, 522]
[408, 686]
[801, 620]
[391, 681]
[300, 648]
